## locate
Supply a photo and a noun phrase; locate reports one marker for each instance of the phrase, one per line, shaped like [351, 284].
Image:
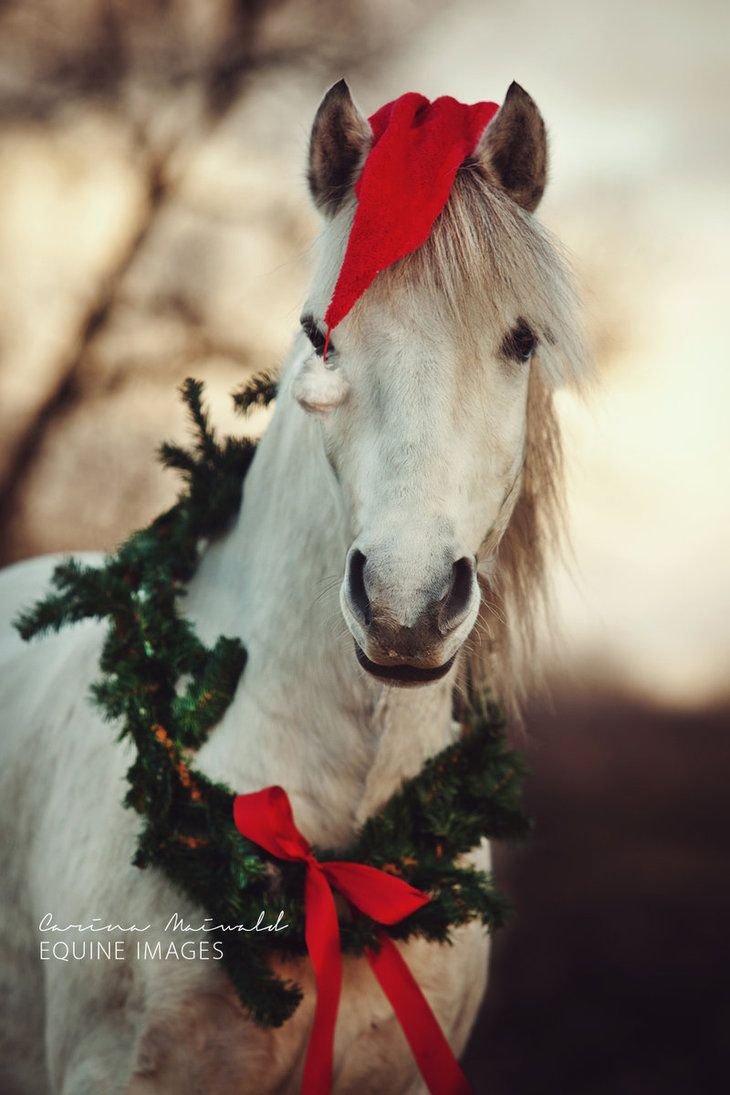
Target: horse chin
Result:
[402, 676]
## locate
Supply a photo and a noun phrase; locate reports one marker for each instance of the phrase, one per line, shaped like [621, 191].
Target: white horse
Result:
[417, 476]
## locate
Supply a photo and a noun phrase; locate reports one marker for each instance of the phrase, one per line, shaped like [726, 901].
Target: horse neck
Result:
[305, 715]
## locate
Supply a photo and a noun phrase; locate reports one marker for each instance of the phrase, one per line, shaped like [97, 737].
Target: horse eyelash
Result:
[315, 335]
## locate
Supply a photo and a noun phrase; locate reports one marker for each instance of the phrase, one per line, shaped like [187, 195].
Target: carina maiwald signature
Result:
[90, 946]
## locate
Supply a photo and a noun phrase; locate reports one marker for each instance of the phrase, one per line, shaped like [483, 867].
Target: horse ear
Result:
[513, 150]
[337, 147]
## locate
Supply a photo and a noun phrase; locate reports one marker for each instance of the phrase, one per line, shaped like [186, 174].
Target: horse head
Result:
[424, 400]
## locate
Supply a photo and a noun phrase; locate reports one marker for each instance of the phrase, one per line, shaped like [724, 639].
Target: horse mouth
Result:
[403, 675]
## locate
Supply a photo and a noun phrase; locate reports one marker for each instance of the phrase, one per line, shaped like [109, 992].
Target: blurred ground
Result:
[612, 977]
[154, 224]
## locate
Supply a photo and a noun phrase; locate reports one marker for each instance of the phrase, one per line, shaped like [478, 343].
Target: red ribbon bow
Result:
[266, 818]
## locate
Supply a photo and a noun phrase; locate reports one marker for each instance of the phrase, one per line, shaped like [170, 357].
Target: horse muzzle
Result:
[408, 636]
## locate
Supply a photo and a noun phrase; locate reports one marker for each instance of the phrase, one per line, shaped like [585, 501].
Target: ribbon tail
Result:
[322, 936]
[441, 1071]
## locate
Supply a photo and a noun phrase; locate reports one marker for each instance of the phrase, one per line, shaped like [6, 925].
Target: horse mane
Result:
[487, 260]
[518, 596]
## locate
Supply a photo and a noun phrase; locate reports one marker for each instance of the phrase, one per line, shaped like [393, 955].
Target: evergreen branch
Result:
[258, 392]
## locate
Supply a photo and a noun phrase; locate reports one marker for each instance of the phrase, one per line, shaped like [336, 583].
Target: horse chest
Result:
[371, 1054]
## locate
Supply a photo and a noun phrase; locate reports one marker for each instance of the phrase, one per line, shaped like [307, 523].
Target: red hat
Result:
[417, 149]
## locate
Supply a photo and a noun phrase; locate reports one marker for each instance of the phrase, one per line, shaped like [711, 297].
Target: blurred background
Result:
[154, 224]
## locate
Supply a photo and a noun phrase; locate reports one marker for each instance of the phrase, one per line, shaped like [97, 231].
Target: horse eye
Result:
[519, 344]
[526, 349]
[315, 336]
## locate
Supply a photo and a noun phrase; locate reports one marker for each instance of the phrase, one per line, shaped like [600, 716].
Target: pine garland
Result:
[468, 791]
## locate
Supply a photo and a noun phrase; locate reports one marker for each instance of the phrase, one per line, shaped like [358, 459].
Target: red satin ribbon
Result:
[266, 818]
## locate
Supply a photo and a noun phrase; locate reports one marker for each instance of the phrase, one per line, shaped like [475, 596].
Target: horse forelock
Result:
[488, 263]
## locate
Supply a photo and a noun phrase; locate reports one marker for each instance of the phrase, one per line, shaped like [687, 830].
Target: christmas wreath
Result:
[468, 791]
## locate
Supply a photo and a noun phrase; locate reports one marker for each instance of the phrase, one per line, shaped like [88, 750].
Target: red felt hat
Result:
[417, 149]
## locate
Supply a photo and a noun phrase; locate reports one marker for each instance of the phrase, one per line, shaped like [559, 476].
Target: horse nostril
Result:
[457, 600]
[356, 586]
